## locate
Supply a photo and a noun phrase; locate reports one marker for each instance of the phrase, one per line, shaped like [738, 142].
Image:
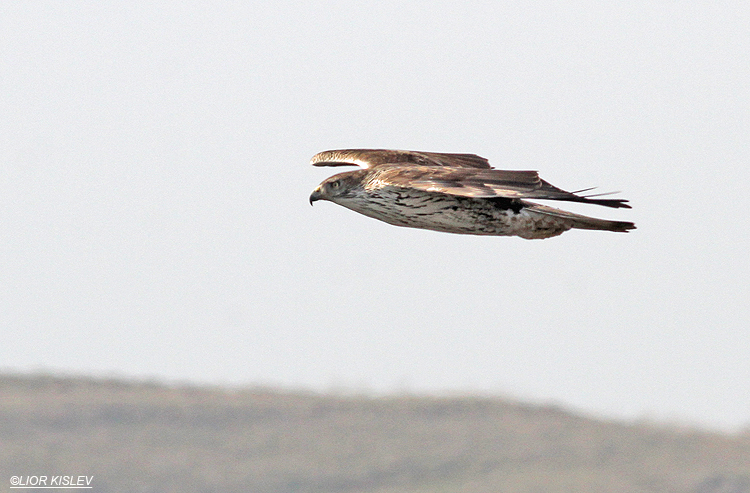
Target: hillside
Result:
[151, 438]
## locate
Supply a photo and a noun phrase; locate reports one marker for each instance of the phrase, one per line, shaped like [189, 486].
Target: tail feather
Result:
[583, 222]
[586, 222]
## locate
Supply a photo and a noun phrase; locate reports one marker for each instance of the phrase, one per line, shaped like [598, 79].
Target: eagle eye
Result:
[335, 184]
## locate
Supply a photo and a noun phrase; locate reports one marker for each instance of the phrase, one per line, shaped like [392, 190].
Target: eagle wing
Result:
[479, 183]
[466, 175]
[370, 158]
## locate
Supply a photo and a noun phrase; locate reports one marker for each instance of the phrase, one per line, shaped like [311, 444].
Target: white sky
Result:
[154, 180]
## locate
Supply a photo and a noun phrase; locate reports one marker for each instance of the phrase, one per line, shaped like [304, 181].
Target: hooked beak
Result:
[315, 195]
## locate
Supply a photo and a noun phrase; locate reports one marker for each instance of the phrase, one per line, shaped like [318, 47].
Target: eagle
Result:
[454, 193]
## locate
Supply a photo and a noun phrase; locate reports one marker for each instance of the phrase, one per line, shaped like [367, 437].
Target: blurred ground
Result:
[135, 436]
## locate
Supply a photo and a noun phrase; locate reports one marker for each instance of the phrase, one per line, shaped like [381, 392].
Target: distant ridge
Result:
[148, 437]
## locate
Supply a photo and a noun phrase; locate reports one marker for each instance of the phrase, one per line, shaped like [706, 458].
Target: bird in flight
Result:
[453, 193]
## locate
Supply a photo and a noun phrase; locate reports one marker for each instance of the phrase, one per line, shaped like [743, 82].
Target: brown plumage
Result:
[454, 193]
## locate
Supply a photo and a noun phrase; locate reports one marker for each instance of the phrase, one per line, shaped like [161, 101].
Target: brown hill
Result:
[141, 437]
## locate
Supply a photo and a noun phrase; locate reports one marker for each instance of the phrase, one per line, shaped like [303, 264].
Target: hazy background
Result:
[154, 180]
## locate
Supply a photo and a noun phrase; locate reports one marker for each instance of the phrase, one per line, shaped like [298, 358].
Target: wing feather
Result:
[369, 158]
[466, 175]
[479, 183]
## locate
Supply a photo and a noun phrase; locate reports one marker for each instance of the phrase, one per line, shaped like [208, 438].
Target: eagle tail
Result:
[585, 222]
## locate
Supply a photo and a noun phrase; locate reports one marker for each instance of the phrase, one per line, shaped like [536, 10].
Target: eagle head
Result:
[339, 187]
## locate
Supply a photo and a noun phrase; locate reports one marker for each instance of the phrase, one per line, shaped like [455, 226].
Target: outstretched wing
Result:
[466, 175]
[480, 183]
[369, 158]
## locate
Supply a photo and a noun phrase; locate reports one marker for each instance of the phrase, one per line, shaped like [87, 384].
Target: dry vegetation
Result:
[152, 438]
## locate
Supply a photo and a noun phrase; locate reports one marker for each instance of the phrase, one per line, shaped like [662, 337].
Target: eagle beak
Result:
[315, 195]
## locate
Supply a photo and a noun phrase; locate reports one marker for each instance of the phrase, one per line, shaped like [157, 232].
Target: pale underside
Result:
[462, 215]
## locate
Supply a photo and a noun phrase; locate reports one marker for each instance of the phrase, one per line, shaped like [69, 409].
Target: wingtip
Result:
[319, 158]
[339, 157]
[613, 203]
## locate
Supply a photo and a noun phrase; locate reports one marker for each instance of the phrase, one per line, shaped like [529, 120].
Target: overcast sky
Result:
[154, 181]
